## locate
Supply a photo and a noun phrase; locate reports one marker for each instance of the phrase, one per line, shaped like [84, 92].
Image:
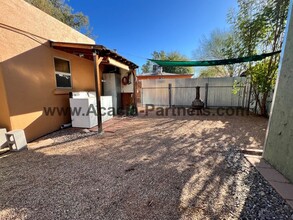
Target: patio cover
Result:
[100, 55]
[87, 51]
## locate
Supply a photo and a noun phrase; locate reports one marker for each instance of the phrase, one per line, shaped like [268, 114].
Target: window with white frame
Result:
[62, 73]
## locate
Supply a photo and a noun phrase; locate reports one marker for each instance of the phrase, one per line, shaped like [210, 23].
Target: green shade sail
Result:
[214, 62]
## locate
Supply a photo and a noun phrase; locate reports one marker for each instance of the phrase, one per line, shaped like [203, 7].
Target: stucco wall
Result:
[129, 87]
[4, 112]
[279, 142]
[28, 69]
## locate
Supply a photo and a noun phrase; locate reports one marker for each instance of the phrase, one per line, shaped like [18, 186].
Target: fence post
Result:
[170, 95]
[249, 97]
[206, 95]
[141, 96]
[243, 98]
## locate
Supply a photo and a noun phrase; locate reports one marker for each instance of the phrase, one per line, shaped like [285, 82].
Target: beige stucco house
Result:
[42, 61]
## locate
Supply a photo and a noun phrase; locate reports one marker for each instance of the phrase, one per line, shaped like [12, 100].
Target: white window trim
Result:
[62, 73]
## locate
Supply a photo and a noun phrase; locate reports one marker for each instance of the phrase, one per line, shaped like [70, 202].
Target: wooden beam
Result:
[116, 63]
[98, 87]
[88, 48]
[77, 45]
[72, 45]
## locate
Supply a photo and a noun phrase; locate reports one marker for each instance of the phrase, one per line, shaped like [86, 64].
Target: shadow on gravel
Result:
[153, 169]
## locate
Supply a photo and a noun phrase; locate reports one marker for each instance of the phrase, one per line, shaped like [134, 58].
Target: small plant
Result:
[132, 108]
[236, 87]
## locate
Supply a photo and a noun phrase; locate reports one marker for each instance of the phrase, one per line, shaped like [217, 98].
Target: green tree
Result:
[219, 45]
[173, 55]
[147, 67]
[212, 71]
[64, 13]
[260, 27]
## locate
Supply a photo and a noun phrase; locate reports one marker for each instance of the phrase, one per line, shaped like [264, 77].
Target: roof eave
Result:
[100, 49]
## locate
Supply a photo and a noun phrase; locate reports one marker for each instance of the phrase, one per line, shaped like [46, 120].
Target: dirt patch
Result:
[152, 168]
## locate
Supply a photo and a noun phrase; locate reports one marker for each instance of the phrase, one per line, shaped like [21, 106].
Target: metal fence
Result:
[215, 92]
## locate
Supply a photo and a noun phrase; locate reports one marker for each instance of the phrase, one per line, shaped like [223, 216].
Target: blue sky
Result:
[138, 27]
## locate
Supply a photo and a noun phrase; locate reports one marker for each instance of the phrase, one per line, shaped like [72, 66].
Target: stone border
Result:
[275, 179]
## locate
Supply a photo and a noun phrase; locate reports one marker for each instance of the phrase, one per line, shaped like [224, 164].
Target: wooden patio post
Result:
[98, 87]
[134, 90]
[206, 95]
[170, 94]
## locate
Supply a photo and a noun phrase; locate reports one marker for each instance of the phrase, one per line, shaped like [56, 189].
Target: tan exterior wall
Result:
[4, 111]
[28, 76]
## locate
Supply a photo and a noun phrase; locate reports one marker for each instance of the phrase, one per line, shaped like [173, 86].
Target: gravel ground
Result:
[153, 168]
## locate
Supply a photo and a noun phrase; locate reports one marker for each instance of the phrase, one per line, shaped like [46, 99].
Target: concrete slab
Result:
[111, 125]
[258, 162]
[272, 175]
[284, 189]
